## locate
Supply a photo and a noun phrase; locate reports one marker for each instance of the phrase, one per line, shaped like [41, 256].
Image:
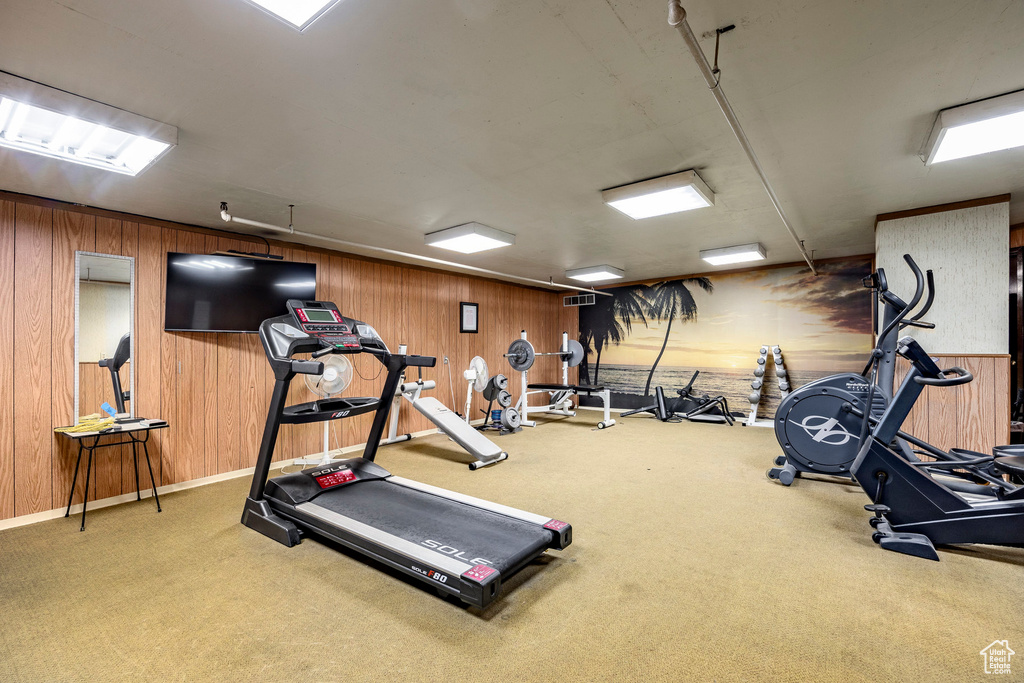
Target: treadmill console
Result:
[334, 475]
[322, 319]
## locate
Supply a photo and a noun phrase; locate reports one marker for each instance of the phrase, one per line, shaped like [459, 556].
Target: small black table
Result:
[90, 441]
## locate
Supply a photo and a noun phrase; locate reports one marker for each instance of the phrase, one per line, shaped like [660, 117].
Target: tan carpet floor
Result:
[687, 564]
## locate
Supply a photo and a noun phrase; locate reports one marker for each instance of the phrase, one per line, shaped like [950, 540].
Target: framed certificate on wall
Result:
[468, 317]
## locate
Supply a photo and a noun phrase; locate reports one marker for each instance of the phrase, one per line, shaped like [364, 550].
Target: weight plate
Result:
[510, 419]
[575, 353]
[521, 355]
[501, 381]
[490, 391]
[504, 398]
[559, 396]
[479, 366]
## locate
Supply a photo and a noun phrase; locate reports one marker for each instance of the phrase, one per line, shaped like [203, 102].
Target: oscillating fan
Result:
[335, 378]
[477, 377]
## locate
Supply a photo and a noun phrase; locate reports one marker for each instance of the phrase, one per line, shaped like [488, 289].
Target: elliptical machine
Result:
[914, 510]
[813, 425]
[846, 429]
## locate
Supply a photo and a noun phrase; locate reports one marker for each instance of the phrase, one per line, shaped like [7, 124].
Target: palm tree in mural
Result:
[611, 319]
[671, 300]
[585, 342]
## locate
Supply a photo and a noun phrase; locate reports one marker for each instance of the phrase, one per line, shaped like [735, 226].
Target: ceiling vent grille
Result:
[578, 300]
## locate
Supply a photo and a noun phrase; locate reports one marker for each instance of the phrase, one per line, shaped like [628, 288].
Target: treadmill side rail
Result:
[561, 532]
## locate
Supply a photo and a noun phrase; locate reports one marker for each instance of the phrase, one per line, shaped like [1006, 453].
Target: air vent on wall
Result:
[578, 300]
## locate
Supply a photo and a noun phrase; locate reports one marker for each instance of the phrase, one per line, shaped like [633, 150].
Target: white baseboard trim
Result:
[25, 520]
[57, 513]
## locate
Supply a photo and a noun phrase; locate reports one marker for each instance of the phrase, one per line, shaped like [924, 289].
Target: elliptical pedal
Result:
[917, 545]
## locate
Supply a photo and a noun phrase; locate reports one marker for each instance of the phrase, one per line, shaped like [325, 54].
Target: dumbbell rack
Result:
[758, 383]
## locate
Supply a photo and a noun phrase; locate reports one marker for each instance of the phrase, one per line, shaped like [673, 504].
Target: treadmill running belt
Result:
[416, 516]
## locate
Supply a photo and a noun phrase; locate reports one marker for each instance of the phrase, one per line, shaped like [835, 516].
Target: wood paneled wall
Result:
[975, 415]
[1017, 235]
[213, 388]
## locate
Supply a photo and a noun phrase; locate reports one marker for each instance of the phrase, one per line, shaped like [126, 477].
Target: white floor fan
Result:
[335, 378]
[476, 376]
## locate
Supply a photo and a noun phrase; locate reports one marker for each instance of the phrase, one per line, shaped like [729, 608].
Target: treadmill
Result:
[460, 545]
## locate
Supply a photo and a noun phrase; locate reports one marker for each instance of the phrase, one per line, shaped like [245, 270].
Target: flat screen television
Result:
[231, 293]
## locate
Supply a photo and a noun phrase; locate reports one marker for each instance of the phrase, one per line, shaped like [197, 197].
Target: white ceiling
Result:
[388, 120]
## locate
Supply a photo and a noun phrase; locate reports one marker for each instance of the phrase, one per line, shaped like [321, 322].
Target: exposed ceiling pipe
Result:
[677, 18]
[229, 218]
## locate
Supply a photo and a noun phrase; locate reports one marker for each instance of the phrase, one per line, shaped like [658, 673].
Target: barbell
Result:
[521, 354]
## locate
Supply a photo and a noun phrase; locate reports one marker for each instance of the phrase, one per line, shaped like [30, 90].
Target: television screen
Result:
[231, 293]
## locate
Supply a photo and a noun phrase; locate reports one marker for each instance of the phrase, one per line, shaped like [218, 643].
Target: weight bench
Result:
[521, 355]
[559, 402]
[483, 449]
[447, 421]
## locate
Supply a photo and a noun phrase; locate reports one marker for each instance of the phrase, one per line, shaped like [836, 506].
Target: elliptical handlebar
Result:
[916, 320]
[892, 300]
[960, 376]
[927, 303]
[918, 293]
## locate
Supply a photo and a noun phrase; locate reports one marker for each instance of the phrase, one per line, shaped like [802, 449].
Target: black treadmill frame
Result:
[287, 523]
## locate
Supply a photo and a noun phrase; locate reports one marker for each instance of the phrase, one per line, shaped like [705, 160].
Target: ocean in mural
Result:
[718, 323]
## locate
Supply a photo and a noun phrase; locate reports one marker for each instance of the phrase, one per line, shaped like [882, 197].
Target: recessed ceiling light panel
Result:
[41, 120]
[470, 238]
[977, 128]
[296, 13]
[659, 196]
[739, 254]
[595, 274]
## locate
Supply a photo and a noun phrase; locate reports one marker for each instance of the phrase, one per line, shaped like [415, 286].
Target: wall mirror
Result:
[104, 333]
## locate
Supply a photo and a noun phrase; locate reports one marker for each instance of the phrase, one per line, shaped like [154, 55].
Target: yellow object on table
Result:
[88, 423]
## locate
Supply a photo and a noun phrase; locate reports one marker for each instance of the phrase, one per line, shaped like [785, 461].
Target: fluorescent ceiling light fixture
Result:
[595, 274]
[659, 196]
[52, 123]
[976, 128]
[470, 238]
[296, 13]
[738, 254]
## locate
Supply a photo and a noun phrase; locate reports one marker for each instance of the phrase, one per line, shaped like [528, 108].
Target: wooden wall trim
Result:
[1017, 236]
[941, 208]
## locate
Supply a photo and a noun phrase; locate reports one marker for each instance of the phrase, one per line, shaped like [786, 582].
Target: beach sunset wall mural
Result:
[718, 323]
